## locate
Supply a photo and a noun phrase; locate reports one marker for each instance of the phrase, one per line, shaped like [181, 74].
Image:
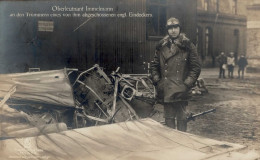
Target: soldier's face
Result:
[174, 31]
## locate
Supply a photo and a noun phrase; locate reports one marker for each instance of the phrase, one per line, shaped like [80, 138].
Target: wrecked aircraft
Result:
[79, 99]
[40, 112]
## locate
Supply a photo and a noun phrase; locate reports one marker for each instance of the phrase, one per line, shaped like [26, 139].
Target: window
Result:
[236, 45]
[206, 5]
[236, 32]
[156, 24]
[234, 6]
[197, 35]
[217, 5]
[208, 41]
[199, 41]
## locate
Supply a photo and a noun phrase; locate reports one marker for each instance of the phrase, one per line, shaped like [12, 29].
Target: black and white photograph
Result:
[130, 79]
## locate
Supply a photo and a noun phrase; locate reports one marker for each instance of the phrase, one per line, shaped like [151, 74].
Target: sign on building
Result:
[45, 26]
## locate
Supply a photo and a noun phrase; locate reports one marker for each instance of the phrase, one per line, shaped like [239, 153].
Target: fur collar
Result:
[182, 41]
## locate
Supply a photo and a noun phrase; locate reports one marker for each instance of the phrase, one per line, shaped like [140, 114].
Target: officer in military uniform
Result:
[174, 70]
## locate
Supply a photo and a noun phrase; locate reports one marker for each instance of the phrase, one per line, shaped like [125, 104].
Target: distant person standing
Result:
[242, 63]
[231, 64]
[222, 60]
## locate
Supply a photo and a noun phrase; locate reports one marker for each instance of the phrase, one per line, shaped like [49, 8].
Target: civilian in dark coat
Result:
[174, 70]
[242, 63]
[222, 60]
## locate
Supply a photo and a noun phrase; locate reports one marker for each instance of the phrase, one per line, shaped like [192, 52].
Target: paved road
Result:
[214, 72]
[237, 102]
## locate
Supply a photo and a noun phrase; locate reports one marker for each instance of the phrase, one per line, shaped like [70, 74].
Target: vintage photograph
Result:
[130, 79]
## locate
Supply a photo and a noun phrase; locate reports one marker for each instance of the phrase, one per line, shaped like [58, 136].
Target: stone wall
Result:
[225, 6]
[253, 35]
[228, 29]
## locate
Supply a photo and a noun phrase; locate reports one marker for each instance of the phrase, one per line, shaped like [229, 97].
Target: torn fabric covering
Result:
[45, 87]
[133, 140]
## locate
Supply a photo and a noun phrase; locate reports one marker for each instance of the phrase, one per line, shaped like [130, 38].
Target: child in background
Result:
[231, 64]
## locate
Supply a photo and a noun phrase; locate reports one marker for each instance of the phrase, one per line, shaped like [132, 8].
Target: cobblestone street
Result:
[237, 102]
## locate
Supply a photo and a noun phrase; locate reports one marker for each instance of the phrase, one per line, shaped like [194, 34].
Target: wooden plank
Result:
[7, 96]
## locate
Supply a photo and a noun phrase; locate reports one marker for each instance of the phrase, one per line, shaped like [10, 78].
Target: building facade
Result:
[45, 35]
[253, 35]
[221, 26]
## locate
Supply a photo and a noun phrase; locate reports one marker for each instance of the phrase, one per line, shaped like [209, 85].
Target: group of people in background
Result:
[228, 63]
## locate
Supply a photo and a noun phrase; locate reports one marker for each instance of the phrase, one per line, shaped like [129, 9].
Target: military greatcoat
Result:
[175, 68]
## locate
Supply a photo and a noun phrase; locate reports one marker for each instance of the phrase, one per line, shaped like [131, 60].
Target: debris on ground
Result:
[49, 102]
[82, 99]
[199, 88]
[78, 99]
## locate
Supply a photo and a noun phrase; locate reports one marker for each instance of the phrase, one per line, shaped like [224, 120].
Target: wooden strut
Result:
[129, 107]
[8, 95]
[99, 98]
[84, 73]
[115, 96]
[95, 118]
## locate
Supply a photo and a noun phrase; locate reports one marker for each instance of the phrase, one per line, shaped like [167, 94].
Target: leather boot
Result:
[182, 125]
[170, 122]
